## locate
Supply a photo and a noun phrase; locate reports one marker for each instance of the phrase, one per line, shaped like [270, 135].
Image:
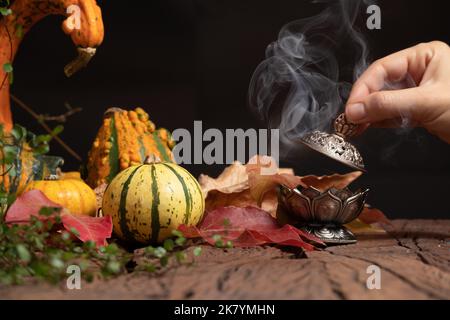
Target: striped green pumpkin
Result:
[148, 201]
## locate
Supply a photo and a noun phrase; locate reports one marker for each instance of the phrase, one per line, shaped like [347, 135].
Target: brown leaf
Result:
[232, 186]
[217, 199]
[99, 191]
[337, 181]
[232, 179]
[371, 215]
[359, 227]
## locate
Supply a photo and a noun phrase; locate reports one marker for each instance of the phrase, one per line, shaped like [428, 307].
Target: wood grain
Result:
[414, 257]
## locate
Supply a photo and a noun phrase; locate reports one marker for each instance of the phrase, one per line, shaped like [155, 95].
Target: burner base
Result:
[331, 234]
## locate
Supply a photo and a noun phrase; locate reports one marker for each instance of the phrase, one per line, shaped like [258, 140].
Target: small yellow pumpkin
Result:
[148, 201]
[70, 175]
[73, 194]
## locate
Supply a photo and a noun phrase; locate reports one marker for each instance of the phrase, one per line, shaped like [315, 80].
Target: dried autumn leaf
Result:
[371, 215]
[359, 227]
[99, 191]
[248, 226]
[217, 199]
[232, 179]
[231, 187]
[337, 181]
[369, 221]
[260, 183]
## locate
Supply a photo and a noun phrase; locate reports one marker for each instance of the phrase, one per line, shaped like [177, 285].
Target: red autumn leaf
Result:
[249, 226]
[88, 228]
[27, 205]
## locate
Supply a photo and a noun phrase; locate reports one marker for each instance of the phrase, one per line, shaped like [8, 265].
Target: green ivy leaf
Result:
[180, 256]
[150, 250]
[7, 67]
[150, 268]
[168, 244]
[23, 253]
[180, 241]
[57, 130]
[5, 11]
[42, 149]
[57, 263]
[42, 138]
[164, 261]
[19, 133]
[197, 251]
[48, 211]
[160, 252]
[19, 30]
[177, 233]
[11, 77]
[74, 231]
[113, 267]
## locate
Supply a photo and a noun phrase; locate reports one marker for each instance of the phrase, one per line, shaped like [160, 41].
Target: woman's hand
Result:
[421, 78]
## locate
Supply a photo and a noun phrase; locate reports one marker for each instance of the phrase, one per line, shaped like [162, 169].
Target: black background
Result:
[186, 60]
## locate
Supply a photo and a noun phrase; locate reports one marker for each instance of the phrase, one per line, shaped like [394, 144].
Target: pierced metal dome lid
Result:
[335, 145]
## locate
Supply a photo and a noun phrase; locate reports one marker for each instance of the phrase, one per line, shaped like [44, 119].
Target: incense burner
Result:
[323, 214]
[335, 145]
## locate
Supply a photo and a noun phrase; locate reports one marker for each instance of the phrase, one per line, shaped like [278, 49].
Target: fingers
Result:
[392, 68]
[385, 105]
[369, 100]
[407, 64]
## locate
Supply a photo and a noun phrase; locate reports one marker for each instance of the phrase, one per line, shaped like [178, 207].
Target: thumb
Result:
[385, 105]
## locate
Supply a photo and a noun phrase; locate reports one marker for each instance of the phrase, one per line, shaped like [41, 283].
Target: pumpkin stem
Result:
[152, 159]
[84, 56]
[110, 112]
[52, 177]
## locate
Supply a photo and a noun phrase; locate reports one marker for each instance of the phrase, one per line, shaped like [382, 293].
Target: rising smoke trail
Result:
[298, 87]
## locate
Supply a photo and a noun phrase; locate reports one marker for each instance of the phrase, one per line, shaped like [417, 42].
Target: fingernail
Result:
[356, 112]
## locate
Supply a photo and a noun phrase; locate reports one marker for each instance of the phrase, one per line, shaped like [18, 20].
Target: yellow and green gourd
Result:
[126, 138]
[148, 201]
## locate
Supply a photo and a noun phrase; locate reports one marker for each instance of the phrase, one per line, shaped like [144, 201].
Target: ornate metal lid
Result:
[335, 145]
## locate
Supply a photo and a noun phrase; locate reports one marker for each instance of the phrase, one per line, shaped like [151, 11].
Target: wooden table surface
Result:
[414, 259]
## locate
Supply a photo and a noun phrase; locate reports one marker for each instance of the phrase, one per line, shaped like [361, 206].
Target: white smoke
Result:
[299, 87]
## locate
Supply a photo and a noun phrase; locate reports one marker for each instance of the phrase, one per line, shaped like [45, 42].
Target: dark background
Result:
[186, 60]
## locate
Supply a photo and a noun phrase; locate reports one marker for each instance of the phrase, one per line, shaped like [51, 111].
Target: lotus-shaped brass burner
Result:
[323, 213]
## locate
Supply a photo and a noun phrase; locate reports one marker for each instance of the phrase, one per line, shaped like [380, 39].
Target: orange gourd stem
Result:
[88, 33]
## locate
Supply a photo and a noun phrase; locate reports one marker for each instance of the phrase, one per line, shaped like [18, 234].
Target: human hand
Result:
[424, 101]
